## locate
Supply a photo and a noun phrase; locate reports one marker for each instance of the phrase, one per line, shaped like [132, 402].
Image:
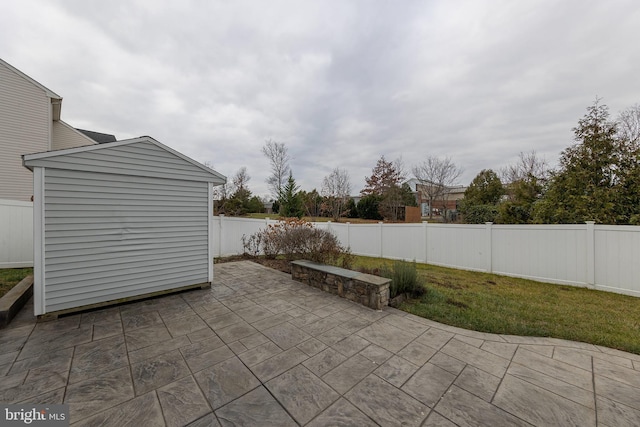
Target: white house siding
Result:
[65, 136]
[24, 128]
[110, 236]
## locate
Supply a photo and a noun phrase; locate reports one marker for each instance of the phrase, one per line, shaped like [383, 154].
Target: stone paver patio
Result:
[260, 349]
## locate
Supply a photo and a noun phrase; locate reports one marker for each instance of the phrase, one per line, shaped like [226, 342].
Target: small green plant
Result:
[404, 279]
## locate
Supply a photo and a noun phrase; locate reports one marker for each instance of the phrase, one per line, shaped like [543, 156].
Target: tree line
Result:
[598, 178]
[383, 196]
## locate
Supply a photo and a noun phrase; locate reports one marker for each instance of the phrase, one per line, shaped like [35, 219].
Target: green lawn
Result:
[504, 305]
[9, 277]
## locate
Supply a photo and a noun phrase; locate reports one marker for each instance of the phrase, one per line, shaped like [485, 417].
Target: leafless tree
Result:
[278, 156]
[238, 187]
[629, 127]
[240, 180]
[221, 192]
[529, 165]
[401, 169]
[336, 188]
[436, 176]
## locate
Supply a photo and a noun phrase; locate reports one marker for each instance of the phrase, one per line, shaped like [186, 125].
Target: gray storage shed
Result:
[119, 221]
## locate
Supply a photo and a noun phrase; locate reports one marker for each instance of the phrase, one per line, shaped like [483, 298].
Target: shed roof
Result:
[143, 156]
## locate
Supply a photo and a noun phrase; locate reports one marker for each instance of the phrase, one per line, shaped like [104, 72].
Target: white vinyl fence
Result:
[605, 257]
[16, 234]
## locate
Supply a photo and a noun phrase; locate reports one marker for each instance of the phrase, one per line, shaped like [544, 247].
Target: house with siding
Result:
[30, 122]
[451, 196]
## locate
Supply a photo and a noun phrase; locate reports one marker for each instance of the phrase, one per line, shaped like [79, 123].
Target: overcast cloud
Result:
[339, 82]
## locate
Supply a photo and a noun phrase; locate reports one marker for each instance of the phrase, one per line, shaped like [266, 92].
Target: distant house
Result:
[29, 123]
[449, 202]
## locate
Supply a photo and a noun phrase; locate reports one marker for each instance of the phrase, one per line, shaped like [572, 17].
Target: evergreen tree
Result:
[290, 201]
[368, 207]
[585, 186]
[481, 198]
[485, 189]
[351, 208]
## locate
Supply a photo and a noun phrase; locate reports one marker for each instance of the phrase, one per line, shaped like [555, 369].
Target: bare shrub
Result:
[294, 238]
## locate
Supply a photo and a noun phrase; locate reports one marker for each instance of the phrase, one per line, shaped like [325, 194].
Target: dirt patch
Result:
[456, 303]
[277, 264]
[233, 258]
[448, 285]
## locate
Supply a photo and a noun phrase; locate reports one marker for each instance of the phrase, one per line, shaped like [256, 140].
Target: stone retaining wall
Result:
[13, 301]
[366, 289]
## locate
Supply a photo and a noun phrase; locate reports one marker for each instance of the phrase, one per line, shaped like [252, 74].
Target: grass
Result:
[9, 277]
[505, 305]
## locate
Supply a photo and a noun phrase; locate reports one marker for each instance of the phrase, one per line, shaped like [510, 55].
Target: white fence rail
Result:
[16, 234]
[605, 257]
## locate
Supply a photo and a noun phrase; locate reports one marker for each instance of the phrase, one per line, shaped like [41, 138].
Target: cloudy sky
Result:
[339, 82]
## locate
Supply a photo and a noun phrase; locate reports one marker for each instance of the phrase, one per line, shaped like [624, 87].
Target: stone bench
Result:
[366, 289]
[13, 301]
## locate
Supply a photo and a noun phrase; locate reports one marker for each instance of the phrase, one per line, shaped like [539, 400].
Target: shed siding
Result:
[24, 128]
[110, 236]
[139, 159]
[64, 136]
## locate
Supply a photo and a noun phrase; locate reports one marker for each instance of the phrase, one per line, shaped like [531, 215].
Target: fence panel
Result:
[541, 252]
[229, 231]
[617, 258]
[341, 231]
[458, 246]
[603, 257]
[364, 239]
[16, 234]
[403, 241]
